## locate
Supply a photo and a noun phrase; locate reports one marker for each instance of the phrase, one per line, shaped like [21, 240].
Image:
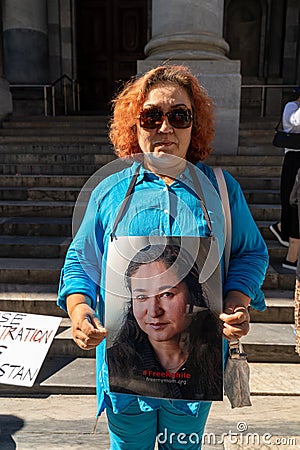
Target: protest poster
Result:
[162, 306]
[24, 342]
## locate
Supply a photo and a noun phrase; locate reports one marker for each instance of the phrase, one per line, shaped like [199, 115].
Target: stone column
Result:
[190, 32]
[291, 56]
[5, 95]
[25, 41]
[273, 100]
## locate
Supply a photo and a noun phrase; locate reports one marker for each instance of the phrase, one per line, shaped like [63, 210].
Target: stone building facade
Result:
[101, 43]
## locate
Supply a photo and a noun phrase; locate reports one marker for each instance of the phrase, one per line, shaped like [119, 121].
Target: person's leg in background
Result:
[132, 429]
[177, 430]
[297, 315]
[289, 214]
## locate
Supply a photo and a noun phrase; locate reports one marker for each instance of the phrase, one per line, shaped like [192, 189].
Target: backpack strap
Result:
[226, 211]
[124, 203]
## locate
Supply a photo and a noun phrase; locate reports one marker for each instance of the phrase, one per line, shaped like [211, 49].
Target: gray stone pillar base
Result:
[5, 99]
[222, 80]
[187, 46]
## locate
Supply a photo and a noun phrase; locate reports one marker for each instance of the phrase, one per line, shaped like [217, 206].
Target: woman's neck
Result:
[167, 167]
[170, 355]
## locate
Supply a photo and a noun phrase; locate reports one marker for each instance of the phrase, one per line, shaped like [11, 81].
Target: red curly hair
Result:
[128, 104]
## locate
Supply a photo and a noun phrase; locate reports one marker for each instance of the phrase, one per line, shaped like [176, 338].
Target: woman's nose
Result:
[154, 306]
[165, 126]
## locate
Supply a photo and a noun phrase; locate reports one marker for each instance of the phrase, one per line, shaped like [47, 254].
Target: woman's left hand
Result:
[235, 318]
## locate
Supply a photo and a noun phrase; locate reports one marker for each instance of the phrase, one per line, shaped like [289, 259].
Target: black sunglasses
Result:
[151, 118]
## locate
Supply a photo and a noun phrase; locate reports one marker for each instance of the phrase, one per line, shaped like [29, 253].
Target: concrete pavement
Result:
[62, 422]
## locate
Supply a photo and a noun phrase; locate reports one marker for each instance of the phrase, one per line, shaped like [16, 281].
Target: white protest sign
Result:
[24, 342]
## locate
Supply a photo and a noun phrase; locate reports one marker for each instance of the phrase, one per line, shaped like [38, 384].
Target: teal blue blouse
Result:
[159, 209]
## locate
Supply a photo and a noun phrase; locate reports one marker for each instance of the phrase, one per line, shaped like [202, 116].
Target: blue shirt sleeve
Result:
[81, 271]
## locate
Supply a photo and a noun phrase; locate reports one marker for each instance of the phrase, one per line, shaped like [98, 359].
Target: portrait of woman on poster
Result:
[170, 343]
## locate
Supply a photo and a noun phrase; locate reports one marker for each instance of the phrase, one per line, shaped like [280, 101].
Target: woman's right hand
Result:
[87, 331]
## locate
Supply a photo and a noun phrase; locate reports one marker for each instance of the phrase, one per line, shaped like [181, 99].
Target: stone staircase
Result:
[270, 342]
[44, 162]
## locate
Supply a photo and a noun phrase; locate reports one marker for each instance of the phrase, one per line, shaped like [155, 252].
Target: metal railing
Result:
[74, 97]
[64, 81]
[75, 93]
[263, 93]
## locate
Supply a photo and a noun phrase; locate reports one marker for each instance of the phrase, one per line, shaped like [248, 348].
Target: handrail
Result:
[75, 93]
[52, 86]
[33, 86]
[61, 78]
[264, 88]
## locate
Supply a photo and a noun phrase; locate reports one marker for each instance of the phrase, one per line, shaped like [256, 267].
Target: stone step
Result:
[89, 169]
[99, 158]
[66, 139]
[263, 226]
[70, 194]
[30, 270]
[53, 169]
[36, 226]
[265, 212]
[56, 130]
[256, 136]
[278, 278]
[68, 375]
[78, 181]
[60, 375]
[245, 160]
[257, 132]
[40, 128]
[254, 171]
[269, 237]
[271, 342]
[257, 123]
[265, 342]
[259, 183]
[61, 226]
[260, 196]
[40, 121]
[63, 344]
[41, 299]
[42, 193]
[30, 299]
[56, 247]
[34, 246]
[285, 378]
[249, 149]
[61, 148]
[277, 252]
[38, 180]
[35, 208]
[280, 308]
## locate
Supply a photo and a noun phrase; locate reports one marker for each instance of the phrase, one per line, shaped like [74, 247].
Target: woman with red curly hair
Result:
[162, 127]
[129, 102]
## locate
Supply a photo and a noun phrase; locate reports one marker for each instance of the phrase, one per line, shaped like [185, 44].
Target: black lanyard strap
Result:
[198, 190]
[124, 203]
[200, 195]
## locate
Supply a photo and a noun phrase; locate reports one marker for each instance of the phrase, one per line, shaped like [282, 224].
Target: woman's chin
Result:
[162, 151]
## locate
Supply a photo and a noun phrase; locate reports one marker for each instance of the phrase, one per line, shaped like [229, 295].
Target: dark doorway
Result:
[243, 32]
[111, 36]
